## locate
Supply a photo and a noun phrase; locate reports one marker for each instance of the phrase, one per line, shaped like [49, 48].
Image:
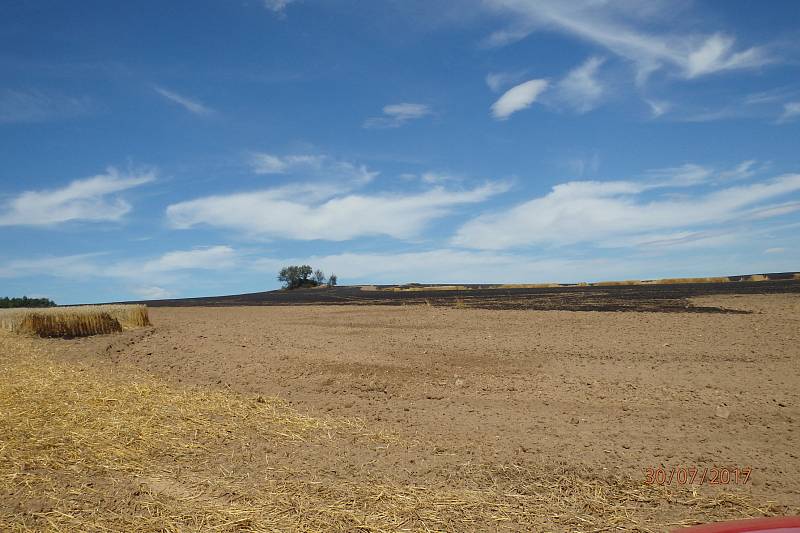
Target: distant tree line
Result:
[6, 302]
[298, 276]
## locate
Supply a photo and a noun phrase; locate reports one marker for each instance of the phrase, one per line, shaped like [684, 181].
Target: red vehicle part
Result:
[784, 524]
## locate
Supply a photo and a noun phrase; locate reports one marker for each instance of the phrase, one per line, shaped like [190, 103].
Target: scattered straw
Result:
[81, 450]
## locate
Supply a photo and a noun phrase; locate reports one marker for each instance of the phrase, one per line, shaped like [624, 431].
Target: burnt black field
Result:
[642, 297]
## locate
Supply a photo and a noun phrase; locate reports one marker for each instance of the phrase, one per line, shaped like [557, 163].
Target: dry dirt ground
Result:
[470, 402]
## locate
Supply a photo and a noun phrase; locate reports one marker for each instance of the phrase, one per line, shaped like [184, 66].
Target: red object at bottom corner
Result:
[783, 524]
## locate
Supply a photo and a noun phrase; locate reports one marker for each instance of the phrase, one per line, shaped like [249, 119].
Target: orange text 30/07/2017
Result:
[697, 475]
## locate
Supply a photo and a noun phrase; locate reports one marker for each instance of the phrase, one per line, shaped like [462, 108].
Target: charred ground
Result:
[652, 297]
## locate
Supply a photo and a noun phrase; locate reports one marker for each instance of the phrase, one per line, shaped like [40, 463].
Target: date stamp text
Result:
[697, 475]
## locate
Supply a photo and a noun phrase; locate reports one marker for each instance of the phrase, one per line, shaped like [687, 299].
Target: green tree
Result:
[295, 276]
[332, 280]
[305, 273]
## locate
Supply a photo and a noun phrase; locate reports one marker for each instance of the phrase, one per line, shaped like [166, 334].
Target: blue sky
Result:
[166, 150]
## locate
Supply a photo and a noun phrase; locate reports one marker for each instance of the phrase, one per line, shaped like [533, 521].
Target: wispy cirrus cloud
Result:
[581, 89]
[716, 53]
[288, 213]
[432, 177]
[499, 80]
[691, 174]
[90, 199]
[764, 105]
[192, 106]
[744, 170]
[761, 105]
[518, 98]
[658, 107]
[277, 6]
[625, 29]
[208, 258]
[616, 213]
[98, 264]
[76, 266]
[443, 265]
[396, 115]
[144, 277]
[152, 292]
[583, 164]
[506, 36]
[791, 111]
[685, 175]
[264, 163]
[322, 168]
[18, 106]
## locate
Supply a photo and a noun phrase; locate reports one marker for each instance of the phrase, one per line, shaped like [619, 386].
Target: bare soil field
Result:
[408, 417]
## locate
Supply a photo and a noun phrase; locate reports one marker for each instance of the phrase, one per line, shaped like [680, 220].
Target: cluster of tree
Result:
[7, 302]
[295, 277]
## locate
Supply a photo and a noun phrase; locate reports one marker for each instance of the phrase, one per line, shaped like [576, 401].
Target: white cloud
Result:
[690, 174]
[676, 240]
[624, 29]
[218, 257]
[431, 177]
[506, 36]
[312, 166]
[791, 110]
[579, 166]
[445, 265]
[448, 265]
[744, 170]
[277, 6]
[36, 106]
[753, 106]
[406, 111]
[396, 115]
[192, 106]
[152, 292]
[68, 266]
[658, 107]
[283, 213]
[771, 211]
[263, 163]
[684, 175]
[730, 111]
[716, 54]
[497, 80]
[211, 258]
[442, 265]
[600, 212]
[170, 267]
[438, 177]
[85, 199]
[580, 89]
[268, 164]
[518, 98]
[770, 96]
[83, 265]
[149, 278]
